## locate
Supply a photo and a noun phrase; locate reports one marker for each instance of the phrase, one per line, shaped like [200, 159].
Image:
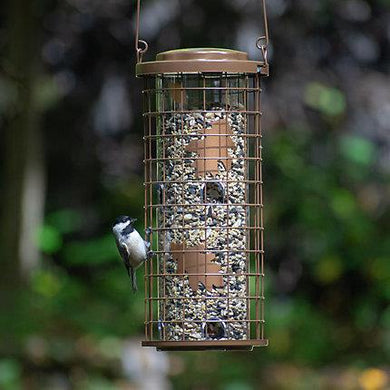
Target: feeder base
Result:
[221, 345]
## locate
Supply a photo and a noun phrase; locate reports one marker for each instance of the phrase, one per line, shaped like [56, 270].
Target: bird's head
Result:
[125, 220]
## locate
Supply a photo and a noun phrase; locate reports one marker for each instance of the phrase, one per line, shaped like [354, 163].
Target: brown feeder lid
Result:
[204, 60]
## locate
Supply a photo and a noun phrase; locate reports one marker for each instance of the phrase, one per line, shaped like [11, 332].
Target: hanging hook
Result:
[140, 52]
[263, 46]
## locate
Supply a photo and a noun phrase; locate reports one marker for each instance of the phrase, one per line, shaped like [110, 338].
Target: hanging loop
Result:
[263, 41]
[263, 46]
[139, 50]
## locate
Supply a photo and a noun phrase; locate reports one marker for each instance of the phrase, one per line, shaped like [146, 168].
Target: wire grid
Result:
[200, 112]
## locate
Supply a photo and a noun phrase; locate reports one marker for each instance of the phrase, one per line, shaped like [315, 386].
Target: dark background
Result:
[71, 161]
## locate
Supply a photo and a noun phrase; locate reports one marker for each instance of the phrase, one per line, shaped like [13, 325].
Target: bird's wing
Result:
[124, 252]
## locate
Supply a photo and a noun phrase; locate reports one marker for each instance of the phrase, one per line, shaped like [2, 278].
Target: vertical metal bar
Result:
[203, 164]
[146, 97]
[182, 85]
[254, 209]
[247, 208]
[150, 211]
[258, 203]
[138, 51]
[137, 25]
[227, 208]
[164, 238]
[265, 20]
[155, 212]
[261, 215]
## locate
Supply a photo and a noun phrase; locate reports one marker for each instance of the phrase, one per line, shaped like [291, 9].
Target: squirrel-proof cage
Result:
[204, 288]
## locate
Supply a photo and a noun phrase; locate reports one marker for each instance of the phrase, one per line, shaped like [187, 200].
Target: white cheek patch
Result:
[120, 226]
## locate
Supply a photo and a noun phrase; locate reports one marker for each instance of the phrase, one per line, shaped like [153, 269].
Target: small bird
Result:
[134, 250]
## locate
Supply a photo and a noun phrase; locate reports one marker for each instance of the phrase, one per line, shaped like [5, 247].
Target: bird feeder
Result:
[204, 288]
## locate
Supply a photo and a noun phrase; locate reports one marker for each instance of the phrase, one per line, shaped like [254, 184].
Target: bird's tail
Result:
[133, 279]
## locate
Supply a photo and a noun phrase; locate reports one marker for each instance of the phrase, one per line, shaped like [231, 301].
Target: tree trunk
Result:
[23, 182]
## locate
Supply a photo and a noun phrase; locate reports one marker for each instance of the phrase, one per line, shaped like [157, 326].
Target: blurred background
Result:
[71, 161]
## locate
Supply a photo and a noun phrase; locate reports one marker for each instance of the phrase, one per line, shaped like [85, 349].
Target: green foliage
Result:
[95, 251]
[343, 204]
[65, 221]
[10, 374]
[292, 322]
[46, 283]
[329, 269]
[237, 386]
[97, 383]
[358, 150]
[329, 101]
[49, 239]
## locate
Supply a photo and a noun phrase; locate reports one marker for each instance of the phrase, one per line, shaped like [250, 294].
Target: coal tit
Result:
[134, 250]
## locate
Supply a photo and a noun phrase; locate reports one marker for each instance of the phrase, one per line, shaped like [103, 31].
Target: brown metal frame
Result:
[205, 60]
[156, 139]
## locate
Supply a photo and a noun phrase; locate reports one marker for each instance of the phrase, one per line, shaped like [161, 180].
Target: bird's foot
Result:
[149, 255]
[148, 232]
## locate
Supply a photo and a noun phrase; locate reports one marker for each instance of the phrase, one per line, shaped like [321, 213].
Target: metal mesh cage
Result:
[204, 288]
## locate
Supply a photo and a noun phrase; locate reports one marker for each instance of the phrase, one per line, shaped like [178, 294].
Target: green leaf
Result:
[366, 314]
[10, 374]
[329, 269]
[46, 283]
[238, 386]
[357, 149]
[343, 203]
[49, 239]
[380, 269]
[65, 220]
[328, 100]
[96, 251]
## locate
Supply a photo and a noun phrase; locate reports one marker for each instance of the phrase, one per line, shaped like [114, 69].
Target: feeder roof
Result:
[201, 60]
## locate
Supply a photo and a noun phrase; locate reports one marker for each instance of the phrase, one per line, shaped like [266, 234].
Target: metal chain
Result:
[261, 42]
